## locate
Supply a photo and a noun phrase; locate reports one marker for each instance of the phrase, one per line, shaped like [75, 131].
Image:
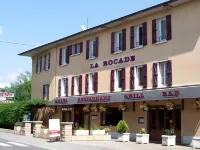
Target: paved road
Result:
[12, 145]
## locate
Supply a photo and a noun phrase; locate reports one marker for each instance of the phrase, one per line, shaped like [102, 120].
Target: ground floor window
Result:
[111, 117]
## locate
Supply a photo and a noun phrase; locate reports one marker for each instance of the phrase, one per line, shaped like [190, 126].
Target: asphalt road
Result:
[12, 145]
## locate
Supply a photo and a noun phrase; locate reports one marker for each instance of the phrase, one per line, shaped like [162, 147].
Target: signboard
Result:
[54, 127]
[6, 94]
[67, 109]
[98, 99]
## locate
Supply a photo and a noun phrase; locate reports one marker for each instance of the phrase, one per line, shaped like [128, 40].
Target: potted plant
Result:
[122, 107]
[94, 108]
[45, 129]
[18, 127]
[107, 130]
[169, 138]
[97, 130]
[170, 106]
[122, 129]
[101, 108]
[86, 108]
[81, 131]
[144, 107]
[197, 105]
[142, 137]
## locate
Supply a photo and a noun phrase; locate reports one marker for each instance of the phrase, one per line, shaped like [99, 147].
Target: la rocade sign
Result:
[98, 99]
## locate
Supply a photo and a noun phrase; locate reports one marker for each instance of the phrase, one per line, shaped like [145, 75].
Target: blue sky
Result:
[41, 21]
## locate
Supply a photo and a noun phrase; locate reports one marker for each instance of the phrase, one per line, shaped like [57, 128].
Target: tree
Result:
[22, 86]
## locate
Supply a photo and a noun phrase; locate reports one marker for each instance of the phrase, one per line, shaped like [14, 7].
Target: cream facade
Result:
[183, 50]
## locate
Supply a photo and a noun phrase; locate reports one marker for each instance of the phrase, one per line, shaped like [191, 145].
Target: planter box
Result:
[169, 140]
[45, 131]
[17, 129]
[142, 138]
[196, 142]
[124, 137]
[97, 132]
[81, 132]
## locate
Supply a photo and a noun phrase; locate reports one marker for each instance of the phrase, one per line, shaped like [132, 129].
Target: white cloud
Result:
[1, 30]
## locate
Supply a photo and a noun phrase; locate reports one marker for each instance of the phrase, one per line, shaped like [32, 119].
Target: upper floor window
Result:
[76, 85]
[46, 91]
[47, 61]
[76, 49]
[63, 87]
[139, 76]
[63, 56]
[118, 79]
[138, 36]
[92, 48]
[76, 88]
[162, 74]
[118, 41]
[91, 83]
[39, 65]
[161, 29]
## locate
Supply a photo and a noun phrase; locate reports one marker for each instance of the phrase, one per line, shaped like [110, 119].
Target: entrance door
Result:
[161, 119]
[66, 116]
[78, 116]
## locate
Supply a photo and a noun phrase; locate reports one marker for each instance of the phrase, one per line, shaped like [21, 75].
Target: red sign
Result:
[171, 94]
[94, 99]
[6, 94]
[61, 101]
[134, 96]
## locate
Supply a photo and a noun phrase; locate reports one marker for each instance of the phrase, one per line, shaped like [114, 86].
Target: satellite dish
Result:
[83, 28]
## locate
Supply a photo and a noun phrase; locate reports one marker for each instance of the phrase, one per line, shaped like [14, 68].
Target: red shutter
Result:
[59, 87]
[40, 63]
[86, 83]
[155, 75]
[132, 78]
[37, 65]
[66, 88]
[145, 76]
[60, 57]
[47, 91]
[45, 62]
[80, 84]
[97, 47]
[144, 26]
[72, 87]
[123, 79]
[112, 80]
[154, 31]
[87, 49]
[44, 91]
[169, 27]
[68, 53]
[96, 82]
[112, 42]
[49, 60]
[123, 39]
[81, 47]
[132, 37]
[169, 73]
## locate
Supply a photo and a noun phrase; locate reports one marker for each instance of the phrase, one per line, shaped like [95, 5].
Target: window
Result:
[111, 117]
[46, 91]
[76, 49]
[163, 73]
[118, 42]
[118, 80]
[64, 53]
[91, 82]
[76, 85]
[161, 30]
[47, 62]
[139, 76]
[92, 47]
[64, 88]
[138, 36]
[39, 65]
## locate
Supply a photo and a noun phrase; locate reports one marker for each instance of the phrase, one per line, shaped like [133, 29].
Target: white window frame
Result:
[63, 86]
[159, 30]
[76, 85]
[47, 62]
[45, 92]
[63, 62]
[137, 86]
[117, 50]
[117, 88]
[78, 49]
[39, 69]
[136, 39]
[91, 49]
[159, 74]
[91, 83]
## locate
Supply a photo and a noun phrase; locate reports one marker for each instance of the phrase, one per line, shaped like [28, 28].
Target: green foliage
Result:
[95, 127]
[122, 127]
[170, 131]
[107, 130]
[101, 128]
[11, 113]
[142, 131]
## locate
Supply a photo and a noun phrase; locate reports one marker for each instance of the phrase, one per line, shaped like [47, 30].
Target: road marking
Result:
[18, 144]
[2, 144]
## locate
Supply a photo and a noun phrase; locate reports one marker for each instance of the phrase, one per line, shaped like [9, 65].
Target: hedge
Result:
[10, 113]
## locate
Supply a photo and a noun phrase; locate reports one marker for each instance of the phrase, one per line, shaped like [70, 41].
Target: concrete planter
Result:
[97, 132]
[196, 142]
[81, 132]
[17, 129]
[169, 140]
[142, 138]
[124, 137]
[45, 131]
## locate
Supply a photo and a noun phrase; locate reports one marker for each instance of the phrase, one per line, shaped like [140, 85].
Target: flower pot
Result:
[81, 132]
[17, 129]
[169, 140]
[97, 132]
[142, 138]
[123, 137]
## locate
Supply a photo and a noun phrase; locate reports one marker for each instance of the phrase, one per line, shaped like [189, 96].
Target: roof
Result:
[113, 23]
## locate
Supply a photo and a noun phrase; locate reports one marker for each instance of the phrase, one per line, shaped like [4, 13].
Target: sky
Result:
[38, 22]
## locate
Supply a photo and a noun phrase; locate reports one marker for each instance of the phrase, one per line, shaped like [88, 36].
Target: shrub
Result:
[95, 127]
[122, 127]
[107, 130]
[142, 131]
[170, 131]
